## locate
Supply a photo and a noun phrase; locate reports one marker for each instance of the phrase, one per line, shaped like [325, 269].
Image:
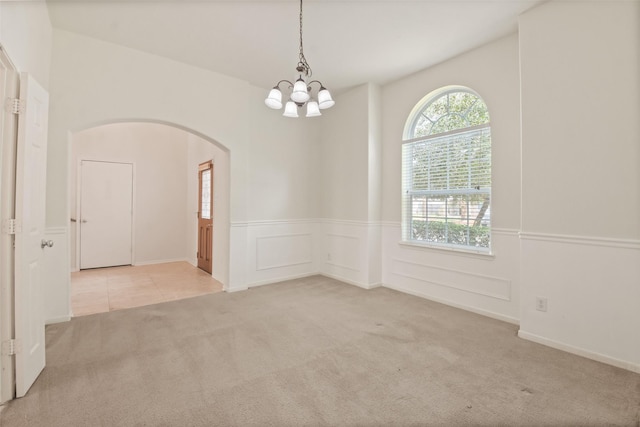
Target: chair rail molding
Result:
[633, 244]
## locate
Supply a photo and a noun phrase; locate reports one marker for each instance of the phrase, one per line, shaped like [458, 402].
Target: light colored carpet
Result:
[313, 351]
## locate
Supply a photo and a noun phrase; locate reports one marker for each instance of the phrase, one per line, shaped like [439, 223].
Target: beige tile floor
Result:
[106, 289]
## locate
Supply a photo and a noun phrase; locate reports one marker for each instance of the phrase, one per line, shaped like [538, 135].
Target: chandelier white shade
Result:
[274, 100]
[313, 109]
[291, 109]
[324, 99]
[301, 91]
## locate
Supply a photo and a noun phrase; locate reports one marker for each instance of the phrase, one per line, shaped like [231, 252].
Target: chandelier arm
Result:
[282, 81]
[316, 81]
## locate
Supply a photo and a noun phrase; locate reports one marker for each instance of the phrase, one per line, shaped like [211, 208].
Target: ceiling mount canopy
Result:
[301, 94]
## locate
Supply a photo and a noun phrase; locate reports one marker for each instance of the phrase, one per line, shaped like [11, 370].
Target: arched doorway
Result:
[163, 159]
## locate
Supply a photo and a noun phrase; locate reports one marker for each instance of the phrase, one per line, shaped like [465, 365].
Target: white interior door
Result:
[106, 210]
[29, 243]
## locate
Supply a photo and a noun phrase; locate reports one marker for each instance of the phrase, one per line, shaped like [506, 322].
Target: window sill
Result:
[448, 250]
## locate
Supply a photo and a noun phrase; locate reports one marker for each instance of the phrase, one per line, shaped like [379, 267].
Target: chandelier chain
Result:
[302, 62]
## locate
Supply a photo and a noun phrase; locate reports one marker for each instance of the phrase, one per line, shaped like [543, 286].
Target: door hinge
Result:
[10, 226]
[11, 347]
[16, 105]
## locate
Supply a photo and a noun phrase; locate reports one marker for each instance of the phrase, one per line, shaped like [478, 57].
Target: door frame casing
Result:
[78, 201]
[8, 147]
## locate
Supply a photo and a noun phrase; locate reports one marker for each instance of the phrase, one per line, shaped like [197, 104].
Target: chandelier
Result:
[300, 90]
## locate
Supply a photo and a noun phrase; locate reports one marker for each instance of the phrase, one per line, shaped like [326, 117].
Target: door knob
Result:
[46, 243]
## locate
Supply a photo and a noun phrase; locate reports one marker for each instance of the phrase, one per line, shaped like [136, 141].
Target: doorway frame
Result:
[8, 145]
[224, 194]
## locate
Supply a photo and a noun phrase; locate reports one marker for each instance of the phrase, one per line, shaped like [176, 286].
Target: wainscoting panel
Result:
[484, 284]
[347, 251]
[494, 287]
[237, 257]
[284, 250]
[592, 288]
[343, 251]
[273, 251]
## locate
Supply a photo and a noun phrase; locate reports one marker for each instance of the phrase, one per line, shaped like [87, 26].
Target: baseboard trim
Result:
[629, 366]
[352, 282]
[475, 310]
[59, 319]
[160, 261]
[236, 289]
[300, 276]
[279, 279]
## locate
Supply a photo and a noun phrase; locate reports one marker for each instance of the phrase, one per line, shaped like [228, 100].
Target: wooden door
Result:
[106, 214]
[205, 216]
[31, 176]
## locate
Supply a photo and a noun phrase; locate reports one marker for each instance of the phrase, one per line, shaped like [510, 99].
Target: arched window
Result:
[446, 171]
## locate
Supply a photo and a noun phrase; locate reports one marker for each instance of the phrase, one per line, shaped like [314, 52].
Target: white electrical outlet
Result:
[541, 304]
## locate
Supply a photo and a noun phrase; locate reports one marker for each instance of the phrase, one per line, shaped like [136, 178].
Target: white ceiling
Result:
[346, 42]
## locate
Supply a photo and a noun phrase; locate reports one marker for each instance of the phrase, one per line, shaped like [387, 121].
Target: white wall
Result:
[94, 82]
[375, 185]
[580, 83]
[281, 183]
[580, 178]
[485, 284]
[344, 174]
[271, 171]
[344, 158]
[25, 33]
[200, 151]
[159, 156]
[350, 179]
[282, 196]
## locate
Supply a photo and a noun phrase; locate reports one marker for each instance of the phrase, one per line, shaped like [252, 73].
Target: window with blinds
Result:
[446, 173]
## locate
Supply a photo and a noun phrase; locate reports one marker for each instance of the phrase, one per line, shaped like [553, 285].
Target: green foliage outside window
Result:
[454, 234]
[451, 111]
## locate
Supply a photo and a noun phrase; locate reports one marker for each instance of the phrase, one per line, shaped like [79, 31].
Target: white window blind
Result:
[447, 189]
